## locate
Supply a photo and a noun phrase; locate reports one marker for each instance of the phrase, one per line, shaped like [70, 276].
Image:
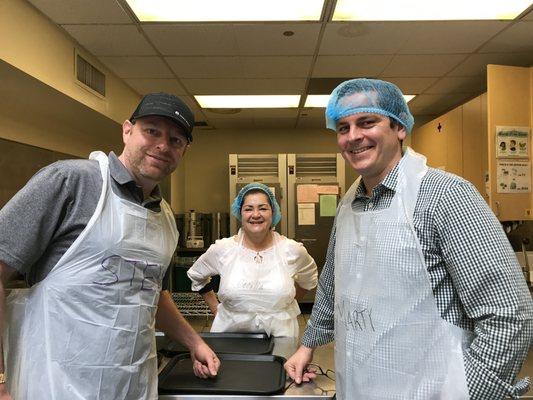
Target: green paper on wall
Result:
[328, 205]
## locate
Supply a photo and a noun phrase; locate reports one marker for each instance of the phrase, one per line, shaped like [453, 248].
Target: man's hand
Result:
[296, 365]
[205, 363]
[4, 395]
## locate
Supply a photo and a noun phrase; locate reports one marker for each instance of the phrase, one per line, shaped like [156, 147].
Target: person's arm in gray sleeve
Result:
[27, 224]
[491, 288]
[29, 221]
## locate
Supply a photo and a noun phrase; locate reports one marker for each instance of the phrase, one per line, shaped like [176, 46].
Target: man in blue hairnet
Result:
[421, 290]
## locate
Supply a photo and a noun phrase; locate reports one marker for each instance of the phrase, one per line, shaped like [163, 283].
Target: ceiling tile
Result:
[268, 39]
[111, 40]
[264, 123]
[422, 65]
[82, 11]
[518, 38]
[274, 112]
[233, 39]
[192, 39]
[143, 86]
[277, 67]
[452, 85]
[137, 67]
[235, 123]
[436, 104]
[350, 66]
[449, 37]
[476, 64]
[315, 112]
[411, 85]
[199, 113]
[206, 67]
[310, 122]
[235, 113]
[244, 86]
[341, 38]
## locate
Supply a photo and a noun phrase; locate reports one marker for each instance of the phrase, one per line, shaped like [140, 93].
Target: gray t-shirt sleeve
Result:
[41, 221]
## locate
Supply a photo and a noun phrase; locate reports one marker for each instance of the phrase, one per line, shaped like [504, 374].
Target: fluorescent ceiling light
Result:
[249, 101]
[229, 10]
[424, 10]
[321, 100]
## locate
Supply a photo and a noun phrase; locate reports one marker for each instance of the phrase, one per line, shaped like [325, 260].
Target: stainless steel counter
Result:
[321, 388]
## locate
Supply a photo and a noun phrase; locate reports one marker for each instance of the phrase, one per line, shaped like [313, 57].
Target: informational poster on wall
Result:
[513, 177]
[512, 142]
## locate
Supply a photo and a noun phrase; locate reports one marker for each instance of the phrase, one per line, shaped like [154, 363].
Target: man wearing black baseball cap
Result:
[93, 239]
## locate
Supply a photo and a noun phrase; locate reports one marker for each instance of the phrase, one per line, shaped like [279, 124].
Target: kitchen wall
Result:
[204, 182]
[457, 141]
[30, 42]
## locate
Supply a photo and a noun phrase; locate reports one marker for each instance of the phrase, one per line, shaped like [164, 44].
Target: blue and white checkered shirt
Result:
[475, 276]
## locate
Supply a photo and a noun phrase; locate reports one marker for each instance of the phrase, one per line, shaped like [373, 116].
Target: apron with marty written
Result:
[87, 330]
[391, 342]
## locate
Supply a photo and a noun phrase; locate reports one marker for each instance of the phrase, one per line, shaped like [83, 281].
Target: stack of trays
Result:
[247, 367]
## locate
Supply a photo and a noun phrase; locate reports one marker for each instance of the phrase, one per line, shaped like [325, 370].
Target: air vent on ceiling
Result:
[88, 75]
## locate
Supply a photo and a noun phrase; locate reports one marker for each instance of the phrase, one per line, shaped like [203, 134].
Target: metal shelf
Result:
[191, 304]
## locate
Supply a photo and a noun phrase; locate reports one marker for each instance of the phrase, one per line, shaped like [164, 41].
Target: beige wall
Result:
[509, 103]
[33, 44]
[40, 102]
[203, 176]
[460, 144]
[33, 113]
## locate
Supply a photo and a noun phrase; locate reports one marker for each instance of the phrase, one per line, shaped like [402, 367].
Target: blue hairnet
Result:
[368, 95]
[237, 203]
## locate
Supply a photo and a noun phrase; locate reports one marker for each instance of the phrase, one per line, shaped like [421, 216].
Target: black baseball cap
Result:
[169, 106]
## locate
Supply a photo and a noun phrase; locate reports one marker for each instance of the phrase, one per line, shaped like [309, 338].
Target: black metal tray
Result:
[243, 374]
[228, 343]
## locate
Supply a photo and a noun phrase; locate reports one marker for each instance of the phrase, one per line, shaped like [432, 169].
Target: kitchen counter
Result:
[321, 388]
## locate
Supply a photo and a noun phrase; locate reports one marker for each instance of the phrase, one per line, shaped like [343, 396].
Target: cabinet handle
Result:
[497, 212]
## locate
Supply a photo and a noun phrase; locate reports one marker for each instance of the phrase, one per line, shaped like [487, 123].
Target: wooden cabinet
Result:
[462, 141]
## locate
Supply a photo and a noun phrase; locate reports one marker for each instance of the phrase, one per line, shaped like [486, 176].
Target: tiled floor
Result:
[324, 355]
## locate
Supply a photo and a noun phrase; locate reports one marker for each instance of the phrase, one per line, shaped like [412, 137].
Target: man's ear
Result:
[402, 133]
[127, 126]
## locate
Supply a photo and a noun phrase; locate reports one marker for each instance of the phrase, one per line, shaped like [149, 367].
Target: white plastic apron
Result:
[391, 342]
[257, 297]
[87, 330]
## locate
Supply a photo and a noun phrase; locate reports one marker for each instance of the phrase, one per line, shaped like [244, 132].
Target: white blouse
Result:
[302, 266]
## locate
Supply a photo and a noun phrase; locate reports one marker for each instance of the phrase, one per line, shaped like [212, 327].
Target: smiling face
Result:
[256, 213]
[153, 147]
[370, 145]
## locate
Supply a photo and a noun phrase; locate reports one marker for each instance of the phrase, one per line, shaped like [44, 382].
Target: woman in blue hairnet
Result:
[261, 272]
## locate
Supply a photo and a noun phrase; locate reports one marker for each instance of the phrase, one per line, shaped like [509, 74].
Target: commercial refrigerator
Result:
[269, 169]
[308, 188]
[315, 183]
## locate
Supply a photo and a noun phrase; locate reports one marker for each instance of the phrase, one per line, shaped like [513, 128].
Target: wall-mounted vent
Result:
[316, 165]
[257, 165]
[88, 75]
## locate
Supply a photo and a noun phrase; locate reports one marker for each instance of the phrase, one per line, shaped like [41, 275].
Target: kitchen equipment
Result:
[229, 343]
[238, 374]
[218, 226]
[195, 238]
